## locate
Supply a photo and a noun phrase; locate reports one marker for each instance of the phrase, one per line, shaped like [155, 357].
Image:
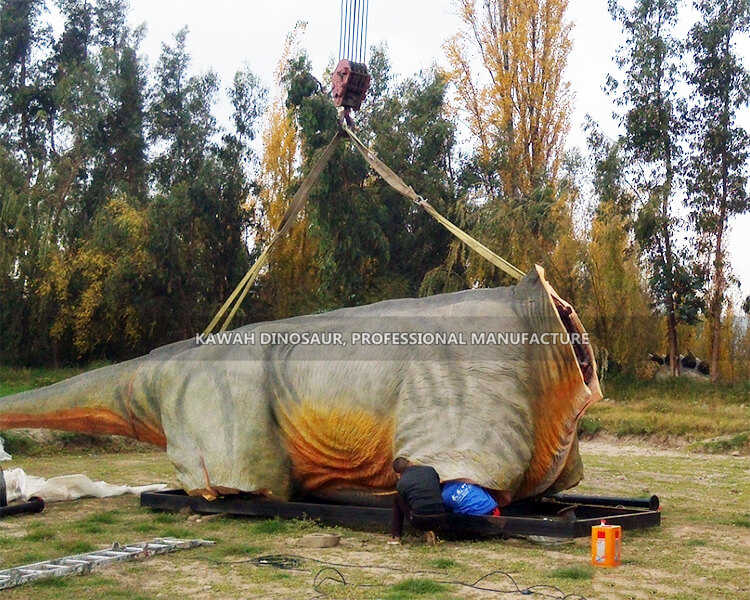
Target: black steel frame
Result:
[551, 517]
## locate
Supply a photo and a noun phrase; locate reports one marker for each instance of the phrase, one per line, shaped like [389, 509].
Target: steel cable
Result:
[367, 24]
[355, 16]
[341, 28]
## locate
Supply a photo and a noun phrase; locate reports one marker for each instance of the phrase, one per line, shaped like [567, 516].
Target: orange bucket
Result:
[606, 545]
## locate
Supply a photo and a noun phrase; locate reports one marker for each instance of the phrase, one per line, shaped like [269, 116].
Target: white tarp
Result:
[66, 487]
[19, 485]
[3, 454]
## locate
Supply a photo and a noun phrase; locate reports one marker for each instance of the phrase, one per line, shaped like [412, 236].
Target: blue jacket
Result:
[467, 499]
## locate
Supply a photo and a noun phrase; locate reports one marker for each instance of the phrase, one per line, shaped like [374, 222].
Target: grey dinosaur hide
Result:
[275, 418]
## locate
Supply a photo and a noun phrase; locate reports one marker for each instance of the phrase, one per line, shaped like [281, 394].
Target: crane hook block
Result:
[350, 84]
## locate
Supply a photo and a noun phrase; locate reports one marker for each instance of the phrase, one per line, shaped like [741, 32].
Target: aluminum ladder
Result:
[80, 564]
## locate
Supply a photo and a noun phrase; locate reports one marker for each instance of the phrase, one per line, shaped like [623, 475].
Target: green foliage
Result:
[39, 535]
[697, 411]
[612, 292]
[19, 444]
[724, 444]
[105, 518]
[695, 543]
[132, 235]
[126, 211]
[372, 243]
[653, 118]
[589, 426]
[75, 547]
[717, 162]
[678, 390]
[54, 583]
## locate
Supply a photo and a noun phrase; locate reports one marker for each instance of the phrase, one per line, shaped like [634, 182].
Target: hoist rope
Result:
[367, 24]
[352, 19]
[341, 28]
[360, 23]
[355, 15]
[358, 13]
[345, 26]
[300, 199]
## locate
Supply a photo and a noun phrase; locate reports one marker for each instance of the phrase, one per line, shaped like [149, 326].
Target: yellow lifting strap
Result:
[300, 199]
[400, 186]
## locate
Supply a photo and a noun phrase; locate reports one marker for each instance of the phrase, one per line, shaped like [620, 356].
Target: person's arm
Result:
[397, 518]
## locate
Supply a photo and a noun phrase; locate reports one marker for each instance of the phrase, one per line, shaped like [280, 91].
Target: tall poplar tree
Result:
[25, 98]
[508, 66]
[717, 165]
[289, 285]
[518, 104]
[649, 60]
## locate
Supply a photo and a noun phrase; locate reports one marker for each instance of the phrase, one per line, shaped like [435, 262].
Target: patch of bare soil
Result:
[606, 444]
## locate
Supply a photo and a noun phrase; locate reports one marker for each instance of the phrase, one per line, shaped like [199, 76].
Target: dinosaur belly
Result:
[337, 447]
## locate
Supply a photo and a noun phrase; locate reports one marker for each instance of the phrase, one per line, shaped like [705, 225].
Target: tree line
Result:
[127, 213]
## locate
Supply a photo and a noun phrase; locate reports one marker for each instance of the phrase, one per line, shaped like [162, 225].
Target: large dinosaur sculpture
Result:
[284, 417]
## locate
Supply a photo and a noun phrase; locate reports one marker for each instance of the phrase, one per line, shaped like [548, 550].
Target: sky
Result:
[227, 34]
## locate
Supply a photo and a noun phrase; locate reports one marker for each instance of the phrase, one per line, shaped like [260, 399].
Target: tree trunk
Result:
[674, 357]
[25, 137]
[717, 297]
[718, 292]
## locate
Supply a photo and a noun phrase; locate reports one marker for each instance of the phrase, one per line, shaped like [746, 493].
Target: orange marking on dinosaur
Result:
[336, 447]
[550, 428]
[87, 420]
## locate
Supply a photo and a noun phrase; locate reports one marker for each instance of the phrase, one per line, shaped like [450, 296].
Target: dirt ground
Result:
[700, 551]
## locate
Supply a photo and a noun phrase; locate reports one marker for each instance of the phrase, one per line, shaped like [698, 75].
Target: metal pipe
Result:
[652, 502]
[3, 489]
[34, 505]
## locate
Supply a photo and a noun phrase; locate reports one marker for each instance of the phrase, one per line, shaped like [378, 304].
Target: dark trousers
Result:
[436, 522]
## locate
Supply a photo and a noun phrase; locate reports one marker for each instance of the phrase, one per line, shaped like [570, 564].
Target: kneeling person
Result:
[418, 498]
[468, 499]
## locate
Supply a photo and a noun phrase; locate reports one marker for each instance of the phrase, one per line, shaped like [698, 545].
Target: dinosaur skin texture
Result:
[288, 418]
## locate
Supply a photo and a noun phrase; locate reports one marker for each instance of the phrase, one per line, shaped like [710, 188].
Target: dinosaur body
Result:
[285, 417]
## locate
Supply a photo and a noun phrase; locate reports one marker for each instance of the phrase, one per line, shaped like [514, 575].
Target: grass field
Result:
[676, 412]
[13, 380]
[700, 551]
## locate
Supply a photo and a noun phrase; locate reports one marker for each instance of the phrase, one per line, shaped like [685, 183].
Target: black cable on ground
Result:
[330, 573]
